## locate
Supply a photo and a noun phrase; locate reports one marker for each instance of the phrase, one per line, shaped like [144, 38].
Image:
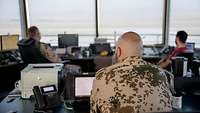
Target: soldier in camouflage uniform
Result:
[46, 51]
[131, 85]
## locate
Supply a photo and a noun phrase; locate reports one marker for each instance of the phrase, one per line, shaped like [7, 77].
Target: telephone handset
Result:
[46, 97]
[39, 97]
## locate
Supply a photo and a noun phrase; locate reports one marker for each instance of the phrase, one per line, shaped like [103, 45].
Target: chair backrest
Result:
[189, 56]
[170, 79]
[30, 52]
[102, 62]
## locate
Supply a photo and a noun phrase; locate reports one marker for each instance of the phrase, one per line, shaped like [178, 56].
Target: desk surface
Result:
[187, 84]
[19, 105]
[149, 58]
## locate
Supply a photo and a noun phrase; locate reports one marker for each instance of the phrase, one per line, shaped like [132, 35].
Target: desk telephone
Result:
[46, 97]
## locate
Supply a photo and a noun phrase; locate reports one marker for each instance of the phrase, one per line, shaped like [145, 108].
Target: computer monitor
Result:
[148, 50]
[9, 42]
[66, 40]
[100, 40]
[98, 48]
[83, 86]
[190, 46]
[78, 86]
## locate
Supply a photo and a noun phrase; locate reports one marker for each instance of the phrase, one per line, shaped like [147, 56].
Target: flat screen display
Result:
[98, 48]
[47, 89]
[66, 40]
[9, 42]
[83, 86]
[190, 46]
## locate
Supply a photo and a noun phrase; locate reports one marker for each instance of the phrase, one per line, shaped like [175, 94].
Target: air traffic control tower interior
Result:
[71, 56]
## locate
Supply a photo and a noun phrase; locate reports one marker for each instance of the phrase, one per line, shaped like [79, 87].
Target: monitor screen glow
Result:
[98, 48]
[83, 86]
[47, 89]
[191, 46]
[9, 42]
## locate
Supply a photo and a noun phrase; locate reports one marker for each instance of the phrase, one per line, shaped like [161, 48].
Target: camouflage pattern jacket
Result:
[130, 86]
[48, 53]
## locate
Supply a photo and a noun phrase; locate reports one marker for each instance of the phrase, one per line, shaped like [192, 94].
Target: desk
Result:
[92, 64]
[27, 106]
[190, 102]
[189, 86]
[10, 73]
[86, 64]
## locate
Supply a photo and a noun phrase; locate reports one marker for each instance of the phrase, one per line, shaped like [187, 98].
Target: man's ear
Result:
[119, 52]
[176, 40]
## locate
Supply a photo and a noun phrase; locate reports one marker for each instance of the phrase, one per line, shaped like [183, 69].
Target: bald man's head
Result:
[129, 44]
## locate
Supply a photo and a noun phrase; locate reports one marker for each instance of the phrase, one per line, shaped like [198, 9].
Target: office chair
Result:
[190, 57]
[102, 62]
[194, 66]
[30, 52]
[170, 79]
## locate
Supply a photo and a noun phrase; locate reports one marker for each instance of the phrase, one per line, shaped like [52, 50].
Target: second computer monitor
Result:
[190, 46]
[9, 42]
[66, 40]
[98, 48]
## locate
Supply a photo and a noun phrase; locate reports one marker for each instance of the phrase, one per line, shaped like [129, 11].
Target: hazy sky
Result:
[78, 16]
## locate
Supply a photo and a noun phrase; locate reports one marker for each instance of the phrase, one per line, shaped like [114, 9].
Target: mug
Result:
[177, 102]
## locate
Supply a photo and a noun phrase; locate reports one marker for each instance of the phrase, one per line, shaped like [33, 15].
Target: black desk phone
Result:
[47, 97]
